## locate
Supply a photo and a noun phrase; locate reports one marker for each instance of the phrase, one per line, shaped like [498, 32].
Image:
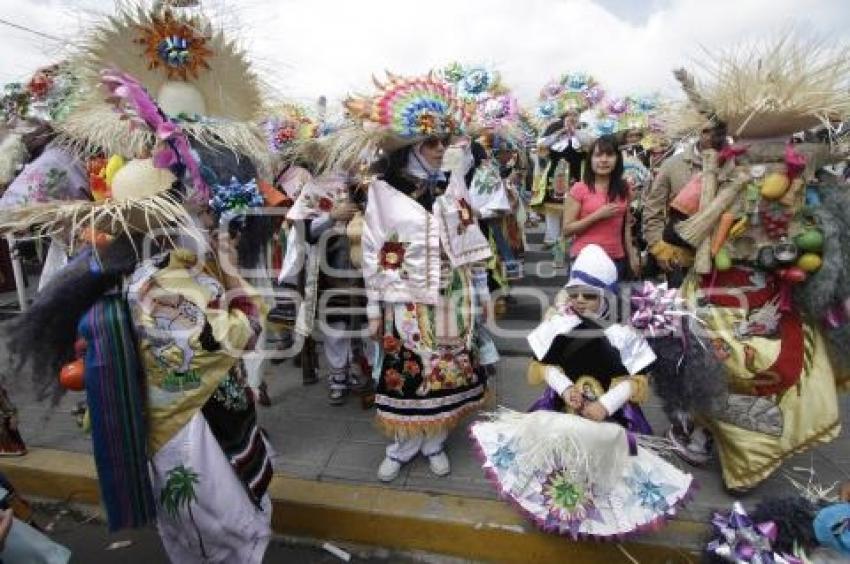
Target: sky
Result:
[307, 48]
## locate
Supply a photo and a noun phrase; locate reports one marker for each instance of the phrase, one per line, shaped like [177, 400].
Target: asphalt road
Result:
[91, 543]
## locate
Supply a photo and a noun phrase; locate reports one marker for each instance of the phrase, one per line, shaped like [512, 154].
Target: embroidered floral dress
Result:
[418, 262]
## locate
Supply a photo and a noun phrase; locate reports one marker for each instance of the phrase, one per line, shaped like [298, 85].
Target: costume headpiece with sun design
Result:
[197, 75]
[403, 111]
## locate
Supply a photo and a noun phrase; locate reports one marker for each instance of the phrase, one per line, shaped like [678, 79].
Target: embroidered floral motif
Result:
[504, 457]
[450, 371]
[325, 204]
[45, 186]
[231, 394]
[392, 253]
[569, 502]
[648, 492]
[393, 380]
[319, 203]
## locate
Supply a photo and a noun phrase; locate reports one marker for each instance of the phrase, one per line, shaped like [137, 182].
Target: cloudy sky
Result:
[310, 47]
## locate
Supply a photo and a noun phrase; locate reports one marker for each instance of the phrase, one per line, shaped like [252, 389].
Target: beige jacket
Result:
[672, 177]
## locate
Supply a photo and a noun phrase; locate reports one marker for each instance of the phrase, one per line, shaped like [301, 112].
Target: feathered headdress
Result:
[768, 89]
[403, 111]
[197, 75]
[570, 92]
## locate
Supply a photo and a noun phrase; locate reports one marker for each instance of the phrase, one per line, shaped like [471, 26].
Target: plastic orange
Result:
[72, 376]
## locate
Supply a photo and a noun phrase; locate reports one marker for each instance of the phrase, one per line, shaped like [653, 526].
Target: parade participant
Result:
[597, 211]
[584, 473]
[562, 146]
[763, 274]
[334, 293]
[420, 240]
[668, 253]
[165, 334]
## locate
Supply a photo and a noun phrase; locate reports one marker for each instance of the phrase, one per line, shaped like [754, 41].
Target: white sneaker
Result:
[439, 464]
[388, 470]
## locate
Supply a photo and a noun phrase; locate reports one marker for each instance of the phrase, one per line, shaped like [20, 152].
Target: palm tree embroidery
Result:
[179, 490]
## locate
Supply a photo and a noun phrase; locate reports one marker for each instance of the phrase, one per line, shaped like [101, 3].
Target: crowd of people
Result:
[198, 233]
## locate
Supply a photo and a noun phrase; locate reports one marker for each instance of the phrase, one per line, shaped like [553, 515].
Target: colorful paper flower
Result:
[235, 197]
[649, 493]
[743, 542]
[391, 255]
[475, 83]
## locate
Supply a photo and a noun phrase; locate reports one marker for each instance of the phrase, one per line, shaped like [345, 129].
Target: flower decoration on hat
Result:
[498, 110]
[571, 92]
[234, 198]
[175, 46]
[411, 108]
[476, 83]
[453, 72]
[290, 124]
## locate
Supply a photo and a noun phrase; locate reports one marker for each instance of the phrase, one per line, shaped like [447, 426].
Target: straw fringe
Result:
[231, 91]
[161, 212]
[770, 88]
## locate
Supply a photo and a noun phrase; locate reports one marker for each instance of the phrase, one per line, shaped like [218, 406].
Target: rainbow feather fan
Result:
[412, 107]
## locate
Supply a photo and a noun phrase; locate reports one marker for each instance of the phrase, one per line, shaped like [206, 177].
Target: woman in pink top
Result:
[596, 211]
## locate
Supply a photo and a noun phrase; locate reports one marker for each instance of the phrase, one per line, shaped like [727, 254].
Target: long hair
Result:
[43, 337]
[617, 187]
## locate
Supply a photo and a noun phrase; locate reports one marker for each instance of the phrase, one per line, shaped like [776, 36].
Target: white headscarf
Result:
[418, 167]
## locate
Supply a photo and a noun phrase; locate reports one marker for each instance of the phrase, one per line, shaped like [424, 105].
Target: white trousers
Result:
[404, 450]
[222, 515]
[553, 227]
[338, 354]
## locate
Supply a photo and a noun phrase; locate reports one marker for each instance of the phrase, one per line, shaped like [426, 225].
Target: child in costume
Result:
[586, 472]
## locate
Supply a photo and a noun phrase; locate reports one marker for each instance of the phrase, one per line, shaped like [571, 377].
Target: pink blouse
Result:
[607, 233]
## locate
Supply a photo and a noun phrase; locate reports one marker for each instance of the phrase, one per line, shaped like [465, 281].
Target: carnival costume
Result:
[175, 435]
[766, 269]
[420, 242]
[576, 476]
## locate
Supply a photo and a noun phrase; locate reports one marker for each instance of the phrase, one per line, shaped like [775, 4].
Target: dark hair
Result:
[220, 165]
[43, 337]
[618, 189]
[390, 166]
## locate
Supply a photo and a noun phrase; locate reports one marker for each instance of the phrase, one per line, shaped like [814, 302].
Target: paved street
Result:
[316, 441]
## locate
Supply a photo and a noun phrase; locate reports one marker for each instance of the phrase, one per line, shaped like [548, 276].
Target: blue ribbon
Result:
[593, 281]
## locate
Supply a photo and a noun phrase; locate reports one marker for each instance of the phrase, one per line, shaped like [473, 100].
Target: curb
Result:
[471, 528]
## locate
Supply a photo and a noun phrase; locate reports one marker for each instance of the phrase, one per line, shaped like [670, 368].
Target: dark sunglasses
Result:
[587, 295]
[434, 141]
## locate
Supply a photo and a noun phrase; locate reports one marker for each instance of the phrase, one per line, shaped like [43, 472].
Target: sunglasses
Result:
[434, 141]
[587, 295]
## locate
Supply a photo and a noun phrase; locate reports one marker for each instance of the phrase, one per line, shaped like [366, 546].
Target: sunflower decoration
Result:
[194, 71]
[174, 46]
